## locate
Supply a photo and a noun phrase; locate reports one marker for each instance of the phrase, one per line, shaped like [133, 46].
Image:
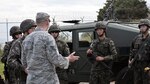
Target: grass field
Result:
[1, 69]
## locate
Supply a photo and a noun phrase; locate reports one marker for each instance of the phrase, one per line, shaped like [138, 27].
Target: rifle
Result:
[104, 64]
[109, 11]
[136, 56]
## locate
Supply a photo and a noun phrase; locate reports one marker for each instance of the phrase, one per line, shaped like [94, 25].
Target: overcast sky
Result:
[60, 9]
[18, 10]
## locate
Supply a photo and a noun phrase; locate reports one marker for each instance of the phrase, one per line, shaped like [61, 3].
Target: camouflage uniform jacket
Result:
[40, 56]
[64, 51]
[104, 48]
[63, 48]
[142, 59]
[15, 52]
[15, 67]
[136, 44]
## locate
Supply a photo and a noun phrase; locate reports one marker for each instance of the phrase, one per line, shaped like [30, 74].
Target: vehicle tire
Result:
[127, 79]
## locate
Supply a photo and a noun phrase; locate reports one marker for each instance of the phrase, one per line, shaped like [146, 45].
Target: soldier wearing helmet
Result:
[100, 27]
[15, 33]
[101, 54]
[18, 75]
[54, 30]
[143, 55]
[63, 50]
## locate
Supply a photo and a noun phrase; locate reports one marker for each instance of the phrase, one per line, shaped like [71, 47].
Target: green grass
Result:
[1, 69]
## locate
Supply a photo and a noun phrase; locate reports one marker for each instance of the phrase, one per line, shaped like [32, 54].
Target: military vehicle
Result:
[79, 38]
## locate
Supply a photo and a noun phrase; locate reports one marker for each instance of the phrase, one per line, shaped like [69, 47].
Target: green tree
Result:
[125, 9]
[1, 51]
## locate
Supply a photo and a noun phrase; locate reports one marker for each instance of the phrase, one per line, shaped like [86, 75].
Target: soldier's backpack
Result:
[6, 51]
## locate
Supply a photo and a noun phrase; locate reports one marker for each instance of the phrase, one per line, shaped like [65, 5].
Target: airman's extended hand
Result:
[99, 58]
[72, 57]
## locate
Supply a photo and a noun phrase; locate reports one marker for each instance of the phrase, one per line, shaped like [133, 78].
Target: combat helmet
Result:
[54, 28]
[27, 24]
[14, 30]
[100, 25]
[144, 22]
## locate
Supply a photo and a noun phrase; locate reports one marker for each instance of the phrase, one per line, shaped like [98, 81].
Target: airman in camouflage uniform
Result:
[14, 58]
[40, 54]
[63, 50]
[15, 33]
[143, 57]
[101, 54]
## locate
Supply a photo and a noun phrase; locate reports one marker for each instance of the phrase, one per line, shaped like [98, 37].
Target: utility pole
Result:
[82, 18]
[7, 28]
[54, 22]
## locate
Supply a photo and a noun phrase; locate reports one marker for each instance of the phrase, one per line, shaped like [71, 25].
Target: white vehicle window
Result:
[85, 38]
[65, 36]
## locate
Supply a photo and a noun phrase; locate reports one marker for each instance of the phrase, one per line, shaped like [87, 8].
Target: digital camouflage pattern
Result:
[17, 74]
[64, 51]
[101, 71]
[40, 57]
[143, 60]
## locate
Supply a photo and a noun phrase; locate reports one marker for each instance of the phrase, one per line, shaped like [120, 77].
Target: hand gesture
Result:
[99, 58]
[72, 57]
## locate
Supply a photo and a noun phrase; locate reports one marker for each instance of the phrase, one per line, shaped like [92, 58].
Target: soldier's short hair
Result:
[42, 16]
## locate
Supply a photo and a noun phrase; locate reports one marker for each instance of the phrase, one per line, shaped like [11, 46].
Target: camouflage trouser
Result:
[13, 79]
[17, 77]
[100, 77]
[16, 74]
[63, 82]
[140, 76]
[148, 77]
[63, 78]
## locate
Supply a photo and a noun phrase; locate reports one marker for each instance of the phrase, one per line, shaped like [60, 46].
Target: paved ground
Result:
[88, 83]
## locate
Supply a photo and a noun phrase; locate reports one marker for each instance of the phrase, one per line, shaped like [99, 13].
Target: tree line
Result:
[124, 10]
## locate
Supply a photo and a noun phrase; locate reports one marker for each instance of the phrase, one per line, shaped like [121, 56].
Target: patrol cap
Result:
[42, 16]
[27, 24]
[54, 28]
[144, 22]
[14, 30]
[100, 25]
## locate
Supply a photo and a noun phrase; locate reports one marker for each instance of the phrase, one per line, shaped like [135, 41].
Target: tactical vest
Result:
[101, 48]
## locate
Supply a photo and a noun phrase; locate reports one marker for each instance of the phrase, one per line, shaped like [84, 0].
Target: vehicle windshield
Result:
[65, 36]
